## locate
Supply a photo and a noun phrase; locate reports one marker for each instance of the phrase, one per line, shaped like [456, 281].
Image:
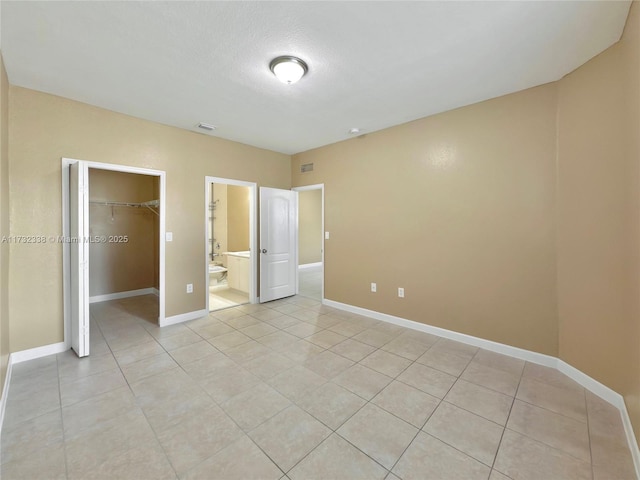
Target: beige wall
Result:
[44, 128]
[309, 226]
[458, 209]
[238, 218]
[4, 223]
[121, 266]
[598, 214]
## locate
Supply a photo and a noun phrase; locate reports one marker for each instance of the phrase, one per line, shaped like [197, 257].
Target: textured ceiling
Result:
[371, 64]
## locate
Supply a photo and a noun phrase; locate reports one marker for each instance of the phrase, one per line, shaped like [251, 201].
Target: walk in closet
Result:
[124, 235]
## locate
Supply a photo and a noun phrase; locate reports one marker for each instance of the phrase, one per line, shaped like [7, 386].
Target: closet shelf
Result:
[151, 204]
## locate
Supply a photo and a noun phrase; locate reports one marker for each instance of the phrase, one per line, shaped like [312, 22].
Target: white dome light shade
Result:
[288, 69]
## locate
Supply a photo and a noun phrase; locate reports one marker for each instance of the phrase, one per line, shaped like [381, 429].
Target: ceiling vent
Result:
[307, 167]
[206, 126]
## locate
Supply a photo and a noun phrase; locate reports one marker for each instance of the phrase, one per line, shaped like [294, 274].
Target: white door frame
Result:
[253, 244]
[318, 186]
[66, 270]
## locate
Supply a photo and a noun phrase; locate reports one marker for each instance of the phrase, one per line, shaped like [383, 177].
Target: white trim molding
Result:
[5, 393]
[581, 378]
[184, 317]
[309, 265]
[253, 234]
[119, 295]
[520, 353]
[23, 356]
[66, 275]
[33, 353]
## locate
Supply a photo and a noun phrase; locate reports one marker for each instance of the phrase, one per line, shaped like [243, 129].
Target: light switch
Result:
[169, 236]
[326, 235]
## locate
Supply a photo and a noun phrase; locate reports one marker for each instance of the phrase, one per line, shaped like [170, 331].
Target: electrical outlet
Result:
[401, 292]
[189, 287]
[374, 287]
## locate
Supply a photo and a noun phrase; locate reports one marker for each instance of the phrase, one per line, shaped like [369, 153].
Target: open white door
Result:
[278, 243]
[79, 256]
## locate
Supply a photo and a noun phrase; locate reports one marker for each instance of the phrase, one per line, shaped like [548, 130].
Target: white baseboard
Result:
[127, 294]
[583, 379]
[5, 393]
[183, 317]
[23, 356]
[520, 353]
[32, 353]
[631, 438]
[155, 291]
[309, 265]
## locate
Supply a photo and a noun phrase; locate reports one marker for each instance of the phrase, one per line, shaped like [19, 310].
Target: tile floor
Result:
[310, 282]
[295, 390]
[221, 296]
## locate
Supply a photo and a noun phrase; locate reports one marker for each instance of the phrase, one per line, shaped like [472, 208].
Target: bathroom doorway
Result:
[311, 241]
[230, 240]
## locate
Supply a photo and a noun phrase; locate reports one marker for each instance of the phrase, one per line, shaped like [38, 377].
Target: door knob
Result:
[264, 250]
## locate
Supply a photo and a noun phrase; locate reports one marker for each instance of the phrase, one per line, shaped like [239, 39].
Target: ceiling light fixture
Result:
[288, 69]
[354, 131]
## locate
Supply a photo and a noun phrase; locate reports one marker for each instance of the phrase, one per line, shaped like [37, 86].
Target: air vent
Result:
[307, 167]
[206, 126]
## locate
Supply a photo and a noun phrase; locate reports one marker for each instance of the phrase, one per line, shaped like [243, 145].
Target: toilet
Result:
[217, 274]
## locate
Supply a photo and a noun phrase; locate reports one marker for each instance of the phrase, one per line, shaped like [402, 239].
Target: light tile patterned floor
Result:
[310, 282]
[296, 390]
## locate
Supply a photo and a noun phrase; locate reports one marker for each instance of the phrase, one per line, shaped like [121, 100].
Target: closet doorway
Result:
[311, 241]
[113, 226]
[230, 261]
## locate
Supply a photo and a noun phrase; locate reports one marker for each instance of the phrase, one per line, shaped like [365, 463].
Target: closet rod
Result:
[149, 204]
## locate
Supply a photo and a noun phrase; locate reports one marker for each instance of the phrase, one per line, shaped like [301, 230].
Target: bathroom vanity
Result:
[238, 270]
